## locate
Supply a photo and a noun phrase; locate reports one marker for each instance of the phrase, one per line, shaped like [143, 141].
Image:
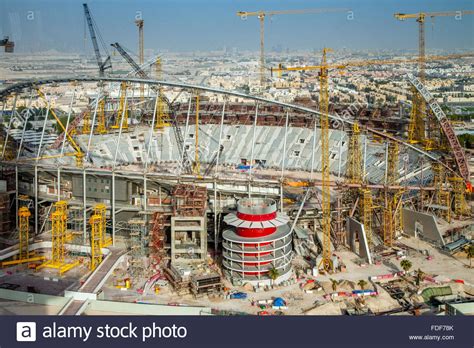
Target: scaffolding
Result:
[354, 155]
[97, 231]
[442, 197]
[416, 125]
[75, 223]
[101, 210]
[58, 240]
[161, 106]
[138, 242]
[122, 112]
[388, 224]
[459, 188]
[366, 213]
[5, 213]
[398, 212]
[86, 123]
[24, 235]
[189, 200]
[101, 122]
[24, 254]
[392, 163]
[158, 238]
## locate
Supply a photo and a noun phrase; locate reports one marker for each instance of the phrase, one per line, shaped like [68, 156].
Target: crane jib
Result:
[448, 130]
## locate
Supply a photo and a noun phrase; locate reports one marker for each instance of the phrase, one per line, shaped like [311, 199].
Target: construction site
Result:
[121, 192]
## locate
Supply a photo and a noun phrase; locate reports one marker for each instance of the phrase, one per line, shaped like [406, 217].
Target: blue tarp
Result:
[279, 302]
[239, 295]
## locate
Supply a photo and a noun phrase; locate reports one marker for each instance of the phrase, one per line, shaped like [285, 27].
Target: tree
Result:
[362, 283]
[420, 275]
[273, 274]
[406, 265]
[334, 284]
[469, 253]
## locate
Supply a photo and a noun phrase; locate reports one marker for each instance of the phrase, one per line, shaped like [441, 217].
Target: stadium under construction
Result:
[197, 187]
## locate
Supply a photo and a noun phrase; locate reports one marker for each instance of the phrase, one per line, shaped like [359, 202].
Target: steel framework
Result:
[97, 232]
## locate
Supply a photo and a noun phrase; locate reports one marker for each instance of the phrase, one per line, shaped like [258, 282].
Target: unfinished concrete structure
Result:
[258, 148]
[259, 247]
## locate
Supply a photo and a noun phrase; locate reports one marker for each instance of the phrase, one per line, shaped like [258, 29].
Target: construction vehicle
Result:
[94, 32]
[416, 127]
[261, 16]
[9, 45]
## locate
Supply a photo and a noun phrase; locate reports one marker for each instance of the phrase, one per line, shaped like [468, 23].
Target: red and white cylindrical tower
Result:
[259, 241]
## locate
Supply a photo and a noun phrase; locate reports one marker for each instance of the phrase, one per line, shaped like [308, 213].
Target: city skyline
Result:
[203, 26]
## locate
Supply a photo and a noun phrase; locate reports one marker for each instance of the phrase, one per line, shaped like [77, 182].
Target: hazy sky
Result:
[190, 25]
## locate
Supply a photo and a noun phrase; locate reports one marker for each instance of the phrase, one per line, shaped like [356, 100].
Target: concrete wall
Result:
[421, 225]
[101, 188]
[21, 296]
[355, 228]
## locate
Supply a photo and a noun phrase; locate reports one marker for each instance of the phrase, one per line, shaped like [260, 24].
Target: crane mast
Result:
[103, 65]
[355, 173]
[261, 16]
[326, 263]
[416, 126]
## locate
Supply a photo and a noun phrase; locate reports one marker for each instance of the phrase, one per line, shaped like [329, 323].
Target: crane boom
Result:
[177, 131]
[103, 65]
[137, 69]
[261, 16]
[403, 16]
[416, 129]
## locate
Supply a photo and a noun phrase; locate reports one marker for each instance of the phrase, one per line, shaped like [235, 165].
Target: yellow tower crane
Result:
[197, 163]
[141, 51]
[101, 123]
[86, 123]
[354, 159]
[261, 16]
[416, 127]
[323, 68]
[161, 111]
[122, 112]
